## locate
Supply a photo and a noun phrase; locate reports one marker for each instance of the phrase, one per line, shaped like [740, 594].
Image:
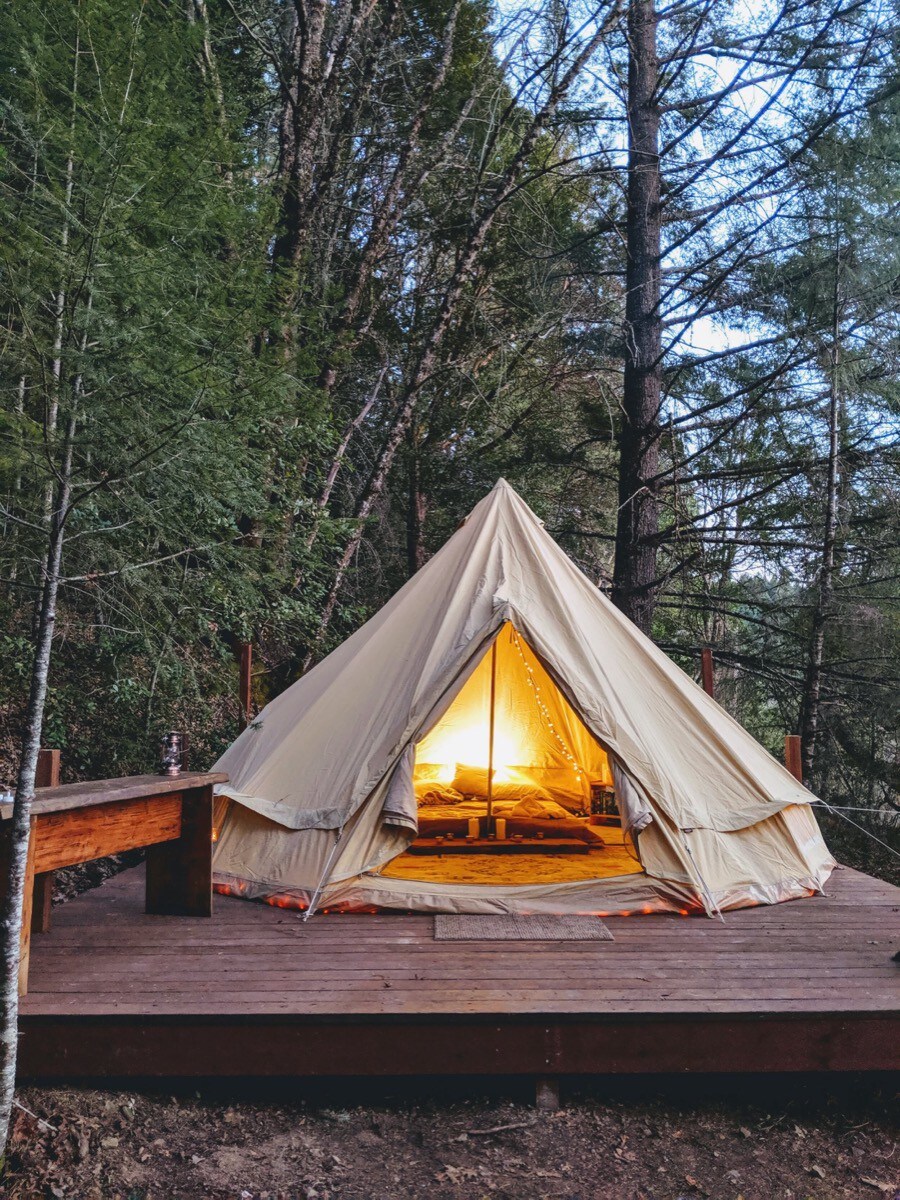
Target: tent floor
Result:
[541, 866]
[255, 991]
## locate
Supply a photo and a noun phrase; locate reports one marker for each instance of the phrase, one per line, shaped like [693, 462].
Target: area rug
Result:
[463, 927]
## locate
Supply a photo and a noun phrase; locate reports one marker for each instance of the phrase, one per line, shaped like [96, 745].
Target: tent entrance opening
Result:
[511, 787]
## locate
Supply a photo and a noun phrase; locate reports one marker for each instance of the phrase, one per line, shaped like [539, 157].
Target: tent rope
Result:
[326, 875]
[873, 812]
[862, 829]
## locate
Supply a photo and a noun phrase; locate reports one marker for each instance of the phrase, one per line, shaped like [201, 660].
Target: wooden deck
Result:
[254, 991]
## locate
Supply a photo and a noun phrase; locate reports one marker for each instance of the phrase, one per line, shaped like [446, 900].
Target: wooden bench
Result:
[171, 816]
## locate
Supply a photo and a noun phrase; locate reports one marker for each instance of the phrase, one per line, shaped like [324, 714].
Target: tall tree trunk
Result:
[21, 819]
[301, 120]
[811, 708]
[637, 525]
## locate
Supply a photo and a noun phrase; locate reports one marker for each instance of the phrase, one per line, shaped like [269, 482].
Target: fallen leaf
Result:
[876, 1183]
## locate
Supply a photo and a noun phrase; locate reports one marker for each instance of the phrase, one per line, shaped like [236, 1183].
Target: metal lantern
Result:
[604, 809]
[171, 752]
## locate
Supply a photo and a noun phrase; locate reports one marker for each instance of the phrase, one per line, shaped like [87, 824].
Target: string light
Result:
[543, 709]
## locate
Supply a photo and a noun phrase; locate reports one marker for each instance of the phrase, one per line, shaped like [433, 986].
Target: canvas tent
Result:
[321, 795]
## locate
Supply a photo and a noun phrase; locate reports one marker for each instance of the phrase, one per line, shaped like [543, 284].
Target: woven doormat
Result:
[453, 927]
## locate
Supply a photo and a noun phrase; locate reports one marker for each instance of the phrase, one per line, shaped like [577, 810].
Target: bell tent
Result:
[500, 738]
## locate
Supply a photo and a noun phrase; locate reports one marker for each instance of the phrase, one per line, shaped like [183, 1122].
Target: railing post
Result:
[47, 773]
[792, 756]
[246, 681]
[707, 676]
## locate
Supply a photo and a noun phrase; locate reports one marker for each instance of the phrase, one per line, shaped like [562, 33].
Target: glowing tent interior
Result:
[511, 769]
[447, 757]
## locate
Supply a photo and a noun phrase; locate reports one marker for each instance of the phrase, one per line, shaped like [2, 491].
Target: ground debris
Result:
[496, 1129]
[79, 1144]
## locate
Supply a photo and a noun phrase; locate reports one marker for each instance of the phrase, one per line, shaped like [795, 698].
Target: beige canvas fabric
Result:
[724, 822]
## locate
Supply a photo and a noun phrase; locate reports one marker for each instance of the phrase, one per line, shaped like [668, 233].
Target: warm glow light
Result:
[469, 746]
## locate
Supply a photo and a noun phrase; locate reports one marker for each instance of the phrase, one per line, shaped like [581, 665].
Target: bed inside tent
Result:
[511, 788]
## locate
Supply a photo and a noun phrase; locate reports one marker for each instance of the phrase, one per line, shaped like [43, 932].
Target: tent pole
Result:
[490, 772]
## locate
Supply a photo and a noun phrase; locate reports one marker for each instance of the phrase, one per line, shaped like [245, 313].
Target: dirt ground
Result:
[675, 1141]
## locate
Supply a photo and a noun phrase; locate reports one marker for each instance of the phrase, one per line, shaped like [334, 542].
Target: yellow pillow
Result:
[471, 781]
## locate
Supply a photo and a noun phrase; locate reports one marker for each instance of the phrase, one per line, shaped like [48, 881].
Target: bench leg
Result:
[179, 873]
[43, 901]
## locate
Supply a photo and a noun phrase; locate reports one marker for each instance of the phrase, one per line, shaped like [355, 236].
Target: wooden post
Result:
[792, 756]
[47, 775]
[246, 667]
[706, 671]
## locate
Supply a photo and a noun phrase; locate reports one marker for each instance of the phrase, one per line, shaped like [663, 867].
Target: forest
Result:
[287, 286]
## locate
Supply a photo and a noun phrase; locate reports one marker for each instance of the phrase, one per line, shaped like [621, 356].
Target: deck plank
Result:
[808, 985]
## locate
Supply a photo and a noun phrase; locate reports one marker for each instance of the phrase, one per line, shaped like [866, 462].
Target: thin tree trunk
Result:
[390, 206]
[209, 68]
[637, 525]
[20, 826]
[303, 113]
[331, 477]
[59, 302]
[416, 508]
[811, 709]
[10, 530]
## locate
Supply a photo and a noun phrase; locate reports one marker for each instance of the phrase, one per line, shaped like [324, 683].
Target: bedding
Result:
[535, 806]
[471, 781]
[430, 793]
[520, 783]
[524, 803]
